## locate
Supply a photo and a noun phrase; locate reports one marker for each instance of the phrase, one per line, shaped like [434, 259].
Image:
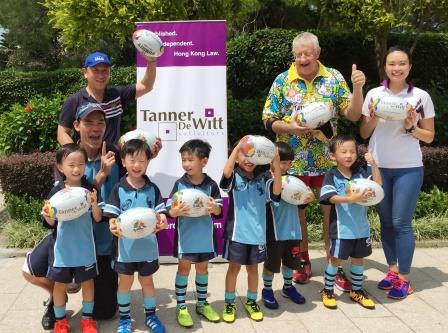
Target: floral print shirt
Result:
[290, 92]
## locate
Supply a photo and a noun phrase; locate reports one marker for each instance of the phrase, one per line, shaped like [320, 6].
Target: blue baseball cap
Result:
[86, 109]
[96, 58]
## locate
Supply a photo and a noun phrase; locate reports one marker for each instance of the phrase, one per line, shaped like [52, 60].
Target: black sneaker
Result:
[48, 319]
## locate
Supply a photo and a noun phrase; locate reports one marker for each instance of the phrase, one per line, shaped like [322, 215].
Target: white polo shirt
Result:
[391, 146]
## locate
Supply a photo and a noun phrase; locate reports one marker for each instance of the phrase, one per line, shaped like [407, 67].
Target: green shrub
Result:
[31, 175]
[432, 203]
[24, 208]
[24, 234]
[32, 127]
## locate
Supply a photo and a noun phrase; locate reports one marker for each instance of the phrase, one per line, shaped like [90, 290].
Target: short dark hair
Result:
[67, 149]
[285, 151]
[197, 147]
[134, 146]
[339, 139]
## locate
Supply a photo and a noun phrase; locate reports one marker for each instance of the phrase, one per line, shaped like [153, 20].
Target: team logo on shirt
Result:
[126, 204]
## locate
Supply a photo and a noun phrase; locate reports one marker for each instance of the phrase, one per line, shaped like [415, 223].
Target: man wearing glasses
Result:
[305, 82]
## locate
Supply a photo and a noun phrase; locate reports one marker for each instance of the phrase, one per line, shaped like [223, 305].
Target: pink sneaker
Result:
[388, 281]
[88, 325]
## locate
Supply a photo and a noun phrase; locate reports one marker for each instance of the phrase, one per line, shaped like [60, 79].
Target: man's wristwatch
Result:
[410, 130]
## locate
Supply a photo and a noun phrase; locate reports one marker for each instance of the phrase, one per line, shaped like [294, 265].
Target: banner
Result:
[188, 102]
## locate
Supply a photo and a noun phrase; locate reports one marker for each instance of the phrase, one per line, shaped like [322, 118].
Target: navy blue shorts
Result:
[197, 257]
[286, 252]
[244, 254]
[144, 268]
[66, 274]
[354, 248]
[40, 258]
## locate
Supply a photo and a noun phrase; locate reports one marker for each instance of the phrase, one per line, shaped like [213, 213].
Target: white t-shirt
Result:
[391, 146]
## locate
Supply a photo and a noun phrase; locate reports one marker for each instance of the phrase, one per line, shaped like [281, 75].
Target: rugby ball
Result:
[257, 149]
[196, 201]
[137, 222]
[147, 43]
[68, 204]
[313, 115]
[390, 107]
[294, 190]
[140, 135]
[359, 184]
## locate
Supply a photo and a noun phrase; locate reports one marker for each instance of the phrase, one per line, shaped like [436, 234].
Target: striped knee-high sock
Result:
[87, 309]
[267, 281]
[124, 305]
[201, 288]
[150, 305]
[181, 289]
[357, 274]
[330, 276]
[287, 277]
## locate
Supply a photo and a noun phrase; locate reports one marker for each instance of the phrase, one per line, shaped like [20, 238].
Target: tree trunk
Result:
[380, 50]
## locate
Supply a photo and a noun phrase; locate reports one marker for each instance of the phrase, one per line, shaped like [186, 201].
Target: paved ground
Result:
[425, 311]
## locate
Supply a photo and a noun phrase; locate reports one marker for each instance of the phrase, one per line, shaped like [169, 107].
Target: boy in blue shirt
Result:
[283, 238]
[195, 236]
[245, 227]
[349, 228]
[74, 247]
[136, 255]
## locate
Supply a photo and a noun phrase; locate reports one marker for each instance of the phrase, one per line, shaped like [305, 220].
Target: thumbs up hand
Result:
[358, 78]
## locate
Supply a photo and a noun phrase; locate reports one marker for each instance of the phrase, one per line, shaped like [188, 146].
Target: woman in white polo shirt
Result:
[396, 148]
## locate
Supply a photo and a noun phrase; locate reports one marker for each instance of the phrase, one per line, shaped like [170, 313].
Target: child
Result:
[283, 236]
[136, 255]
[195, 237]
[245, 229]
[349, 227]
[74, 249]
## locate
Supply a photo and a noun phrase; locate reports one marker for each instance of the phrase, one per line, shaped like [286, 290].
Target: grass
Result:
[21, 234]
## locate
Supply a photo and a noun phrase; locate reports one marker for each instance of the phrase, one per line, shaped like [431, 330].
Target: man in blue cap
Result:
[96, 71]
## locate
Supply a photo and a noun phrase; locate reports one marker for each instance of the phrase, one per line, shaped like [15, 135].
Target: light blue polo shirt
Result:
[347, 221]
[195, 234]
[124, 197]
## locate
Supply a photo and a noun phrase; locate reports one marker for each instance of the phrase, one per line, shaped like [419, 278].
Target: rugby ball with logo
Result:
[140, 135]
[294, 190]
[67, 204]
[313, 115]
[147, 43]
[196, 201]
[390, 107]
[257, 149]
[137, 222]
[359, 184]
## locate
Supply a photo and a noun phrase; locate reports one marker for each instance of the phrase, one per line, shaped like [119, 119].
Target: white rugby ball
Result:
[196, 201]
[294, 190]
[390, 107]
[68, 204]
[257, 149]
[148, 43]
[140, 135]
[137, 222]
[359, 184]
[313, 115]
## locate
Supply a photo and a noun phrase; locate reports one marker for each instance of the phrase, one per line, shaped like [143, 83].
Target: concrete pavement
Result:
[424, 311]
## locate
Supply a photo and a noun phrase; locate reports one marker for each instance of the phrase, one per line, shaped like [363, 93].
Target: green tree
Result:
[29, 42]
[378, 18]
[108, 24]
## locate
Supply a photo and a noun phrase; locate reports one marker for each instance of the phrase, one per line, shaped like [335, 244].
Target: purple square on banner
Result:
[209, 112]
[167, 131]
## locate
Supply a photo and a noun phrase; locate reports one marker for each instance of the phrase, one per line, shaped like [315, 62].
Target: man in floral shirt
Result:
[305, 82]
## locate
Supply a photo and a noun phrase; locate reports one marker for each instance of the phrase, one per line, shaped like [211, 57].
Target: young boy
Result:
[74, 247]
[245, 228]
[195, 236]
[283, 236]
[349, 227]
[136, 255]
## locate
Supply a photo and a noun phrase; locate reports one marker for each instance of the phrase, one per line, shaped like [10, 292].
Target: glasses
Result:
[306, 55]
